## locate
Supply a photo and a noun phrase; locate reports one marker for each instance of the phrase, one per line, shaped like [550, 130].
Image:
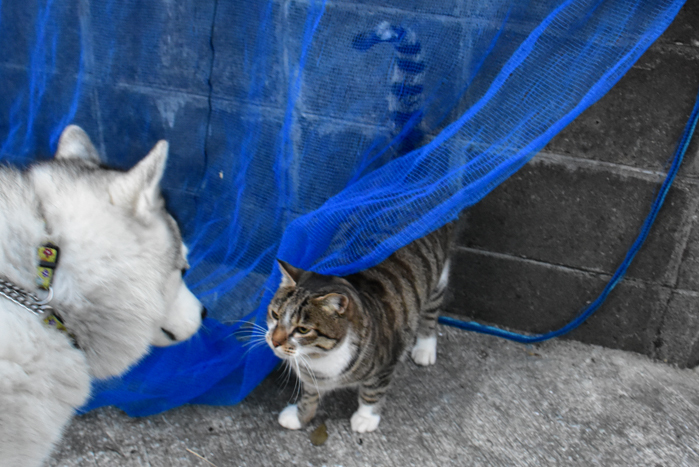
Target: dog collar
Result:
[48, 260]
[54, 320]
[23, 298]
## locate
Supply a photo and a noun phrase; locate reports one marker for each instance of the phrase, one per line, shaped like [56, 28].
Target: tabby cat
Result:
[352, 331]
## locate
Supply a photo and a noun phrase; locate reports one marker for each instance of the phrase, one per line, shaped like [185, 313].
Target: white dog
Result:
[117, 286]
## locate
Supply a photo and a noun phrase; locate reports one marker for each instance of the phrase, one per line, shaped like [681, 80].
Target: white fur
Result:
[425, 351]
[180, 321]
[75, 144]
[117, 286]
[332, 364]
[365, 420]
[289, 417]
[286, 321]
[444, 277]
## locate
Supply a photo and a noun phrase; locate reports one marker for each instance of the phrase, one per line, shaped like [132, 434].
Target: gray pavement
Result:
[487, 402]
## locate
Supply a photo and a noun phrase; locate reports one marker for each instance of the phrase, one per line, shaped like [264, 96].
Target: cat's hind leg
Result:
[424, 351]
[295, 416]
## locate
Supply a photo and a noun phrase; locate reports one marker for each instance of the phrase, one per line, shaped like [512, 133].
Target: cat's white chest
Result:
[335, 362]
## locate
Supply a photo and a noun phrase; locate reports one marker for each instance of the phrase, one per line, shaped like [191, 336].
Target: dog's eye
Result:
[303, 330]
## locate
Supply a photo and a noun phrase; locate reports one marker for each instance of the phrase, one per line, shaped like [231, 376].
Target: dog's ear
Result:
[75, 144]
[139, 188]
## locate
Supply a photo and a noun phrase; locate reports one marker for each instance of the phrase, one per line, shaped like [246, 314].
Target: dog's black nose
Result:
[204, 312]
[169, 334]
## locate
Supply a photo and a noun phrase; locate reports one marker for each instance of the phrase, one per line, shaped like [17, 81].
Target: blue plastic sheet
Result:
[328, 134]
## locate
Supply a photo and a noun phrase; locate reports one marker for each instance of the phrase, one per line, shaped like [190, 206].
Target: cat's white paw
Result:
[364, 420]
[425, 351]
[289, 417]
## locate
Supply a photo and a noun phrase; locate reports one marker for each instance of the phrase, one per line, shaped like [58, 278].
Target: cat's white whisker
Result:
[240, 336]
[294, 392]
[254, 343]
[248, 327]
[256, 338]
[299, 385]
[253, 346]
[286, 374]
[307, 363]
[250, 331]
[290, 374]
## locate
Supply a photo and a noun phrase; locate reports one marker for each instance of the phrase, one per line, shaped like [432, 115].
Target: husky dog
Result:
[117, 286]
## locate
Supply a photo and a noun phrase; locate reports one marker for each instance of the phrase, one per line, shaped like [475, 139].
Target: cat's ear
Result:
[332, 303]
[290, 274]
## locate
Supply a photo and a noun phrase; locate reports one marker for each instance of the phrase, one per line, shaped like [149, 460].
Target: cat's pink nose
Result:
[278, 337]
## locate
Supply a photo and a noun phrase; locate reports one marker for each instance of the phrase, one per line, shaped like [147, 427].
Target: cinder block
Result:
[639, 122]
[584, 217]
[683, 30]
[688, 277]
[41, 39]
[132, 121]
[679, 335]
[29, 128]
[537, 298]
[152, 44]
[248, 64]
[446, 7]
[237, 158]
[345, 146]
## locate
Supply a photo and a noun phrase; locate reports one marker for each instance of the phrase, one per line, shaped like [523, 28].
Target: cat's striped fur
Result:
[353, 330]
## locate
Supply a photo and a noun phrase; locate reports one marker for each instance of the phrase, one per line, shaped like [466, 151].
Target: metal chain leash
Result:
[25, 299]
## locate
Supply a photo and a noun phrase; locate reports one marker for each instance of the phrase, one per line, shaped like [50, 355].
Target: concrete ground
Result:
[487, 402]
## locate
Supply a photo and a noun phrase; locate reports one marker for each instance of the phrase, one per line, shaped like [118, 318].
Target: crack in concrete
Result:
[211, 88]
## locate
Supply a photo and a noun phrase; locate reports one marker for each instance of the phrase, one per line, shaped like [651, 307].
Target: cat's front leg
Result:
[294, 416]
[366, 419]
[371, 396]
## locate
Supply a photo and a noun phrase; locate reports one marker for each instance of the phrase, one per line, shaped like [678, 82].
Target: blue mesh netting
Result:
[326, 133]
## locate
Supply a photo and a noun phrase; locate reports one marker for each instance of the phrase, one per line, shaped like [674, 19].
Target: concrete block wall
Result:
[543, 244]
[536, 250]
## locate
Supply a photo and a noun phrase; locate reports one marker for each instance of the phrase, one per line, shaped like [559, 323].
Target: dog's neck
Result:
[22, 228]
[25, 231]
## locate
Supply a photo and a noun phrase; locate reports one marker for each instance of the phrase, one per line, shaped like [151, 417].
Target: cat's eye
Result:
[275, 313]
[303, 330]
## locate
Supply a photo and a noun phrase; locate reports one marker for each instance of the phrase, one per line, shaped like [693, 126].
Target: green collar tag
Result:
[54, 321]
[48, 260]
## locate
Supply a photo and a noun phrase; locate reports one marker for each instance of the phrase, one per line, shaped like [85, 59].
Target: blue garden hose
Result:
[621, 270]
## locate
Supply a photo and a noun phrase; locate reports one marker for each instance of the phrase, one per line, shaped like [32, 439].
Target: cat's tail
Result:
[405, 98]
